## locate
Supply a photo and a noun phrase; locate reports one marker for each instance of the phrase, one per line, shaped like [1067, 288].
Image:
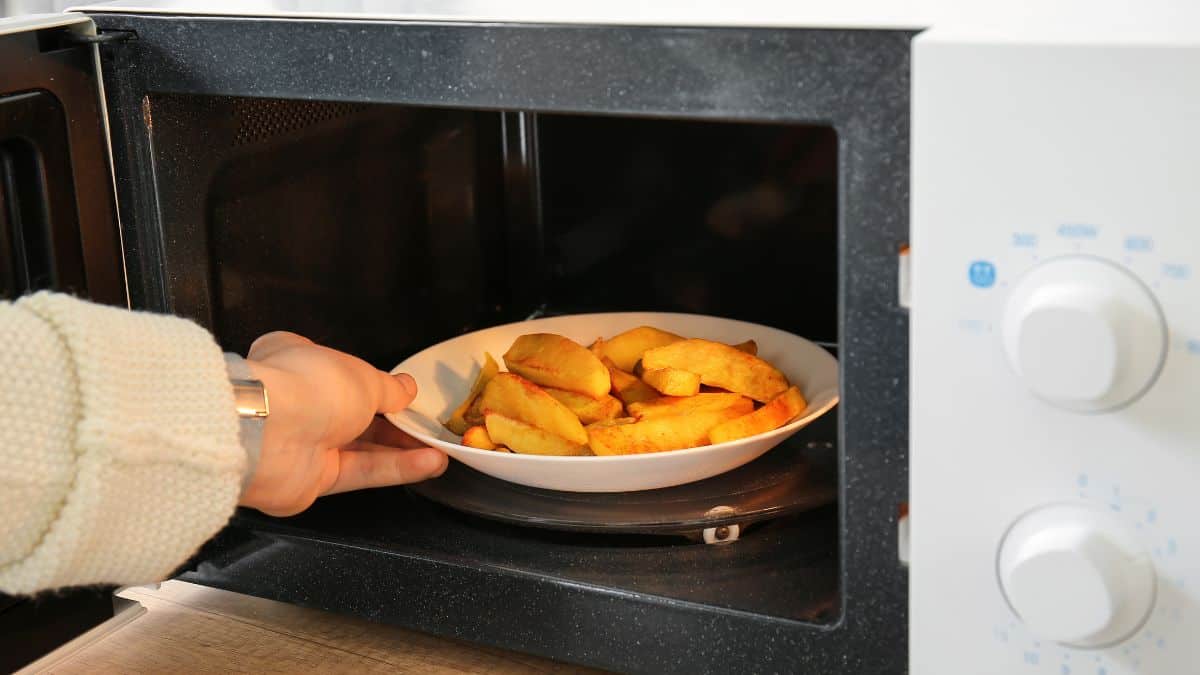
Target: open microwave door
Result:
[58, 218]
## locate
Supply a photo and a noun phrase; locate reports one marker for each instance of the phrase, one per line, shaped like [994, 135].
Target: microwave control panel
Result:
[1055, 394]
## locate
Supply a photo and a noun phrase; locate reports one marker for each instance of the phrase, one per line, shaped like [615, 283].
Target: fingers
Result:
[383, 432]
[273, 342]
[367, 465]
[395, 391]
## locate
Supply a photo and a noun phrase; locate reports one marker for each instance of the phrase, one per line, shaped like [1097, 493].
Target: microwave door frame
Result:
[856, 81]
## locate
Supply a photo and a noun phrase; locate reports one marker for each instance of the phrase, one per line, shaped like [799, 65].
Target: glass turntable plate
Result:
[798, 475]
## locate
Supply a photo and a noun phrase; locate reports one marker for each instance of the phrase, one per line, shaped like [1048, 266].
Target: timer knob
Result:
[1076, 576]
[1084, 334]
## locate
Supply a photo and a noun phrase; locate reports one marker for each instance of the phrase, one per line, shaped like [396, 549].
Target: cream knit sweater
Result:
[119, 451]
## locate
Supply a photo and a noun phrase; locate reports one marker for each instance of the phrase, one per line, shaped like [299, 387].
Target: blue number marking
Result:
[1139, 244]
[1024, 239]
[1176, 271]
[1193, 346]
[982, 274]
[1078, 231]
[975, 326]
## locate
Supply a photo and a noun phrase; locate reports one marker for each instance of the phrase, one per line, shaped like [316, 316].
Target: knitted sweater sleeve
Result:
[119, 451]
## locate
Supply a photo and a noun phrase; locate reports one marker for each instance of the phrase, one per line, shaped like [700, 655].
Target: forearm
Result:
[119, 449]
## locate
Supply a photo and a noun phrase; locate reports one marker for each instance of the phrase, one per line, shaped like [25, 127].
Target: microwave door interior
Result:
[58, 223]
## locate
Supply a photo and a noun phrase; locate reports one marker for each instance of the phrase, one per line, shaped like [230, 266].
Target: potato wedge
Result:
[616, 421]
[460, 419]
[586, 408]
[779, 411]
[477, 437]
[513, 396]
[720, 365]
[673, 381]
[554, 361]
[673, 405]
[657, 434]
[529, 440]
[749, 346]
[625, 349]
[627, 387]
[474, 416]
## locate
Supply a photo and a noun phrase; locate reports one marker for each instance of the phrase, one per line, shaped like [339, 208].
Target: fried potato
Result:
[625, 349]
[474, 416]
[673, 405]
[673, 381]
[477, 437]
[749, 346]
[720, 365]
[586, 408]
[513, 396]
[529, 440]
[616, 421]
[657, 434]
[461, 418]
[779, 411]
[627, 387]
[554, 361]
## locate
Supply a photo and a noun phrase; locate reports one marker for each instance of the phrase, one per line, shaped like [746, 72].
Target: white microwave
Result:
[989, 218]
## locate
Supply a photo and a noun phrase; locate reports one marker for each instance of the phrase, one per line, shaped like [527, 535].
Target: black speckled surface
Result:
[489, 583]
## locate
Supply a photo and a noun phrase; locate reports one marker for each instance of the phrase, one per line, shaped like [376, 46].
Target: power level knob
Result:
[1076, 576]
[1084, 334]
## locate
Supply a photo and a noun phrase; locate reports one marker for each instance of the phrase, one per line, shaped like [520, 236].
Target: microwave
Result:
[990, 223]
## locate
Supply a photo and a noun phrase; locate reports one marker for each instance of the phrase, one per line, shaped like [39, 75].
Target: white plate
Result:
[444, 373]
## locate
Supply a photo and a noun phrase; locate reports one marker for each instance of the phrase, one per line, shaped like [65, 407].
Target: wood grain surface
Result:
[195, 629]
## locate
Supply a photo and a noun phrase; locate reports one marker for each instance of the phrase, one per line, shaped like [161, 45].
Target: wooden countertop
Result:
[184, 627]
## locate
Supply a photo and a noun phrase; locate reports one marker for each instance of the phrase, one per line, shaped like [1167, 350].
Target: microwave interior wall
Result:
[383, 229]
[416, 183]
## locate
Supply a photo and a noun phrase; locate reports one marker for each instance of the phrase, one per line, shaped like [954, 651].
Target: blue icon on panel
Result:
[982, 274]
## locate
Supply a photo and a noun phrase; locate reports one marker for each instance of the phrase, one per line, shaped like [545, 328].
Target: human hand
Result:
[323, 435]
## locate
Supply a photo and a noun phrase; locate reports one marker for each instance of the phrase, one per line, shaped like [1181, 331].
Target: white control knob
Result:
[1074, 575]
[1084, 334]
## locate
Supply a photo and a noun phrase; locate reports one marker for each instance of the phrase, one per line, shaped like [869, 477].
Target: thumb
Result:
[395, 391]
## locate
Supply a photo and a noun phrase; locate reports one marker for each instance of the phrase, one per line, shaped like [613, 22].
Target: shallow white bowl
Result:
[445, 371]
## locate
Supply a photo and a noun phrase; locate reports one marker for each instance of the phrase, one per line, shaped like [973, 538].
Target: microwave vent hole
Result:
[259, 120]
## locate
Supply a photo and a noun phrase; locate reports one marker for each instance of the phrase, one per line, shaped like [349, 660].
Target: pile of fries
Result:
[645, 390]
